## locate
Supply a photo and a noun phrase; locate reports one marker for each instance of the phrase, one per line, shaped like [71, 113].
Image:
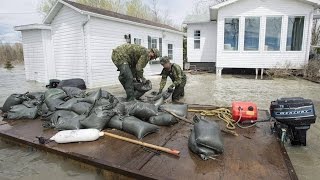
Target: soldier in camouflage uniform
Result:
[177, 76]
[130, 60]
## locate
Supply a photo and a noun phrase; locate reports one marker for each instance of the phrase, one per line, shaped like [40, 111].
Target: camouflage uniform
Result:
[178, 78]
[130, 60]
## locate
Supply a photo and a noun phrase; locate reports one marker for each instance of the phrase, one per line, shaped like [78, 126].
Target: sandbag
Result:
[76, 82]
[109, 103]
[105, 94]
[137, 127]
[115, 122]
[55, 94]
[120, 109]
[93, 97]
[20, 111]
[143, 110]
[54, 118]
[202, 151]
[43, 109]
[68, 104]
[53, 103]
[36, 95]
[69, 123]
[163, 119]
[80, 135]
[81, 107]
[98, 118]
[12, 100]
[74, 92]
[31, 103]
[208, 134]
[178, 109]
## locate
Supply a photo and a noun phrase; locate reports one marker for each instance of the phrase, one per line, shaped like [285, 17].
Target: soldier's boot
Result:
[126, 79]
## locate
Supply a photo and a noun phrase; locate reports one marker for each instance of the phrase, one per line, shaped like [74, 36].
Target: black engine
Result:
[293, 118]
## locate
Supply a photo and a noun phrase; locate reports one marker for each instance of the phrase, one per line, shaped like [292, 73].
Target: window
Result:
[160, 46]
[295, 33]
[231, 34]
[137, 41]
[197, 39]
[251, 33]
[273, 34]
[154, 43]
[170, 51]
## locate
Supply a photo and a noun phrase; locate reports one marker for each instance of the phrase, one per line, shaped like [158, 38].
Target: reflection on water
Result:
[17, 163]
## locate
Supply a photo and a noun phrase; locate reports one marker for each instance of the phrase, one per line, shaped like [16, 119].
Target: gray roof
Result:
[118, 15]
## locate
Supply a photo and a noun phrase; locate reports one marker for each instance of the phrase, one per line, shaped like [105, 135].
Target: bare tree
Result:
[315, 32]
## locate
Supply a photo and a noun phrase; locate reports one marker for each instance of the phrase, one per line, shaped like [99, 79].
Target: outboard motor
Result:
[293, 118]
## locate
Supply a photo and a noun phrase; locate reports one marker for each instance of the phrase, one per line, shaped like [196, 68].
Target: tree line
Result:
[11, 53]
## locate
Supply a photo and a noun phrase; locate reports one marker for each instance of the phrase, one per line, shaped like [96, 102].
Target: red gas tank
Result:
[244, 110]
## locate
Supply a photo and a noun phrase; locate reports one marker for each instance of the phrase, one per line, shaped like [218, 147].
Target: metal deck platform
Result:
[255, 154]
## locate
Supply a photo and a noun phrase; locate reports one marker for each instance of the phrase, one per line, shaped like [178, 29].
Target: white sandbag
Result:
[80, 135]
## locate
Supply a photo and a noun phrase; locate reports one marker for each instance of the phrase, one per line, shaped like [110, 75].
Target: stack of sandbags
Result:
[205, 139]
[22, 106]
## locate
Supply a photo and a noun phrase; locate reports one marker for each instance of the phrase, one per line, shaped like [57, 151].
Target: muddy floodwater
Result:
[23, 163]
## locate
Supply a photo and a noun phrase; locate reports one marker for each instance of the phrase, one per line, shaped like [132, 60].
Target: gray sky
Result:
[20, 12]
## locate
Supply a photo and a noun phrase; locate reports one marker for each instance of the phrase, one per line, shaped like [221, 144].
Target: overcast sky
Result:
[20, 12]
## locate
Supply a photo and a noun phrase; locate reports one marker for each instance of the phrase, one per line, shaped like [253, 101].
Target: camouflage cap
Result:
[156, 53]
[164, 60]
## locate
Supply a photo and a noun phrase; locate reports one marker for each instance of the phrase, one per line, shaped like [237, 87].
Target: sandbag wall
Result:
[70, 108]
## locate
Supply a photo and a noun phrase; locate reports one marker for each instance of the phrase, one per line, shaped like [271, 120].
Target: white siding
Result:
[105, 35]
[68, 44]
[34, 55]
[261, 58]
[208, 45]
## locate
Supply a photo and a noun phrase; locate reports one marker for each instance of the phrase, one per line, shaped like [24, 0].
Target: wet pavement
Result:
[21, 163]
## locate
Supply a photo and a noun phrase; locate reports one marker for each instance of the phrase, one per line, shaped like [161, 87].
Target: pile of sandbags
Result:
[70, 108]
[205, 139]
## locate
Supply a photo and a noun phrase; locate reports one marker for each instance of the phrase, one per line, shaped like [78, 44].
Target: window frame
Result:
[156, 39]
[239, 33]
[138, 39]
[303, 35]
[194, 39]
[244, 34]
[171, 58]
[281, 33]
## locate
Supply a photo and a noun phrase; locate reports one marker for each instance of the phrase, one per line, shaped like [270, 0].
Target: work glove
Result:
[170, 89]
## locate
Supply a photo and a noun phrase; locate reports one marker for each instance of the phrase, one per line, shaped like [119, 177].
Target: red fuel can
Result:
[245, 111]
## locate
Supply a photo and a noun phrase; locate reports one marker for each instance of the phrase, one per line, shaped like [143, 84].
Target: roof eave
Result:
[130, 22]
[32, 27]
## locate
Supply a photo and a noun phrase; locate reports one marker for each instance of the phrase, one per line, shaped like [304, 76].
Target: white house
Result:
[76, 41]
[252, 34]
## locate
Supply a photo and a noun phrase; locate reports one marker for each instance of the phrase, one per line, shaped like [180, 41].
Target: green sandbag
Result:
[68, 104]
[208, 134]
[178, 109]
[98, 118]
[81, 107]
[55, 93]
[93, 97]
[52, 104]
[74, 92]
[115, 122]
[53, 119]
[12, 100]
[202, 151]
[20, 111]
[69, 123]
[163, 119]
[143, 110]
[137, 127]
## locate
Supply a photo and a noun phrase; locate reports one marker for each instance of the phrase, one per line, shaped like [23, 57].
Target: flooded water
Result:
[21, 163]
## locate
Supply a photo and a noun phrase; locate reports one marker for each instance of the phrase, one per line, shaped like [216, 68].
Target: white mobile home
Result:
[252, 34]
[76, 41]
